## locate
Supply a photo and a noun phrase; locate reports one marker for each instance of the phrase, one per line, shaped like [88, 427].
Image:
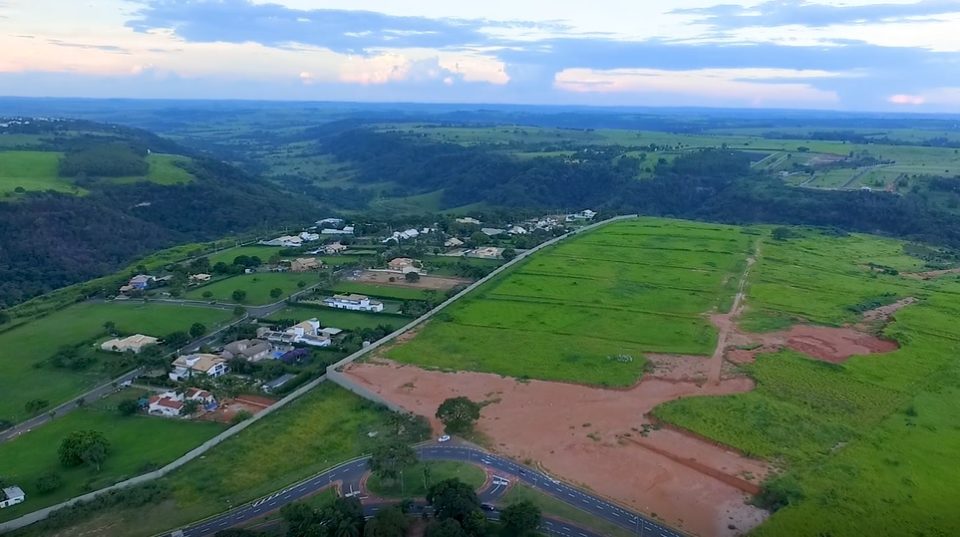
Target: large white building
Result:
[307, 332]
[354, 303]
[187, 366]
[134, 343]
[11, 496]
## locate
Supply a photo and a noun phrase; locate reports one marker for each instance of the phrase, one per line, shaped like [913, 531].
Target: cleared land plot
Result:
[344, 320]
[321, 429]
[868, 447]
[257, 286]
[383, 290]
[587, 310]
[137, 444]
[425, 283]
[33, 171]
[24, 347]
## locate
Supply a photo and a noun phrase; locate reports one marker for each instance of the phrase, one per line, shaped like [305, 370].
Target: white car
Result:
[444, 438]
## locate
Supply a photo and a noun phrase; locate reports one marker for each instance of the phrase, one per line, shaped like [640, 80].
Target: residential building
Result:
[487, 252]
[334, 248]
[354, 302]
[205, 398]
[140, 282]
[294, 356]
[269, 387]
[334, 222]
[404, 265]
[517, 230]
[134, 343]
[186, 366]
[305, 264]
[585, 214]
[492, 231]
[307, 333]
[11, 496]
[199, 278]
[309, 237]
[168, 404]
[468, 220]
[251, 350]
[286, 241]
[453, 242]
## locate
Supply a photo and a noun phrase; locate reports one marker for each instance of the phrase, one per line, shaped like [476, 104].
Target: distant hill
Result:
[80, 199]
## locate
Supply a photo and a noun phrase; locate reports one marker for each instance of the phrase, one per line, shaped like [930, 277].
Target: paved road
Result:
[349, 475]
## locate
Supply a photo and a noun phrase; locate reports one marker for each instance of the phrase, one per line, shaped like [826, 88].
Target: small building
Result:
[199, 278]
[205, 398]
[189, 365]
[285, 241]
[404, 265]
[307, 332]
[140, 282]
[270, 387]
[487, 252]
[305, 264]
[334, 248]
[309, 237]
[11, 496]
[134, 343]
[169, 404]
[517, 230]
[251, 350]
[333, 222]
[468, 220]
[492, 231]
[354, 302]
[453, 242]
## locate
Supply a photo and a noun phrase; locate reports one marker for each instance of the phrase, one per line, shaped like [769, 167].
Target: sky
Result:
[871, 55]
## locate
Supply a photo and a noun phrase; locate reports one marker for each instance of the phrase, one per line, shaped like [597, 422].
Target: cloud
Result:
[812, 14]
[345, 31]
[948, 96]
[87, 46]
[752, 87]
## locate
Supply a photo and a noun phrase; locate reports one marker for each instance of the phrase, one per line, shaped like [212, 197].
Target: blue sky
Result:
[899, 55]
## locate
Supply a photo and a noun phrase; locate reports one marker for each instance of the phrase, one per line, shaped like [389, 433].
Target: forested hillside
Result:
[103, 206]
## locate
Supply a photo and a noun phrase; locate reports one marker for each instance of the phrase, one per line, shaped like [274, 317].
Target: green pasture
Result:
[24, 348]
[257, 286]
[164, 170]
[342, 319]
[383, 291]
[33, 171]
[418, 478]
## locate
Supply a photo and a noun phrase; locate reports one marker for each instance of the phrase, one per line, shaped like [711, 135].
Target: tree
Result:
[239, 532]
[84, 447]
[239, 295]
[190, 407]
[197, 330]
[276, 292]
[508, 254]
[452, 498]
[389, 522]
[388, 460]
[520, 519]
[176, 339]
[458, 414]
[48, 483]
[301, 284]
[35, 405]
[412, 277]
[207, 294]
[110, 327]
[300, 519]
[4, 317]
[445, 528]
[239, 311]
[782, 233]
[128, 407]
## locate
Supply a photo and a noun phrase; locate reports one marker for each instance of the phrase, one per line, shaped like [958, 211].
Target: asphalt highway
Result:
[349, 476]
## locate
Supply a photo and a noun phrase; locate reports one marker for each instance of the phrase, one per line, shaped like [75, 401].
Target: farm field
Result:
[588, 309]
[413, 483]
[257, 287]
[22, 378]
[33, 171]
[137, 444]
[863, 445]
[345, 320]
[324, 427]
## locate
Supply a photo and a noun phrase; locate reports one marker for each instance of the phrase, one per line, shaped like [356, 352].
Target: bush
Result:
[778, 492]
[240, 416]
[128, 407]
[48, 483]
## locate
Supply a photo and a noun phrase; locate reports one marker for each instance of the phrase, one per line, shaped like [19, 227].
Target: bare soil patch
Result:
[597, 437]
[884, 313]
[438, 283]
[930, 274]
[229, 408]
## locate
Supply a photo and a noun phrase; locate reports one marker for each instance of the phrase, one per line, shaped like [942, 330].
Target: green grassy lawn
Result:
[870, 444]
[418, 478]
[588, 309]
[257, 286]
[321, 429]
[164, 170]
[383, 291]
[137, 444]
[33, 171]
[24, 348]
[345, 320]
[553, 507]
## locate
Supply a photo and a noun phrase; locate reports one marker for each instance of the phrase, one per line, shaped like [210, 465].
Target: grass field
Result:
[867, 447]
[33, 171]
[24, 347]
[227, 256]
[137, 444]
[553, 507]
[418, 478]
[383, 291]
[568, 313]
[342, 319]
[257, 287]
[324, 427]
[164, 170]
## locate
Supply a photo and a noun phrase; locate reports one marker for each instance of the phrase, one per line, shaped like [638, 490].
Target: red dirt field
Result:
[834, 345]
[590, 435]
[439, 283]
[229, 407]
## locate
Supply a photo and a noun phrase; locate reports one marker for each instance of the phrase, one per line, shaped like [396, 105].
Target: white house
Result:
[199, 278]
[517, 230]
[468, 220]
[11, 496]
[168, 404]
[185, 367]
[309, 237]
[286, 241]
[307, 332]
[354, 302]
[134, 343]
[334, 248]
